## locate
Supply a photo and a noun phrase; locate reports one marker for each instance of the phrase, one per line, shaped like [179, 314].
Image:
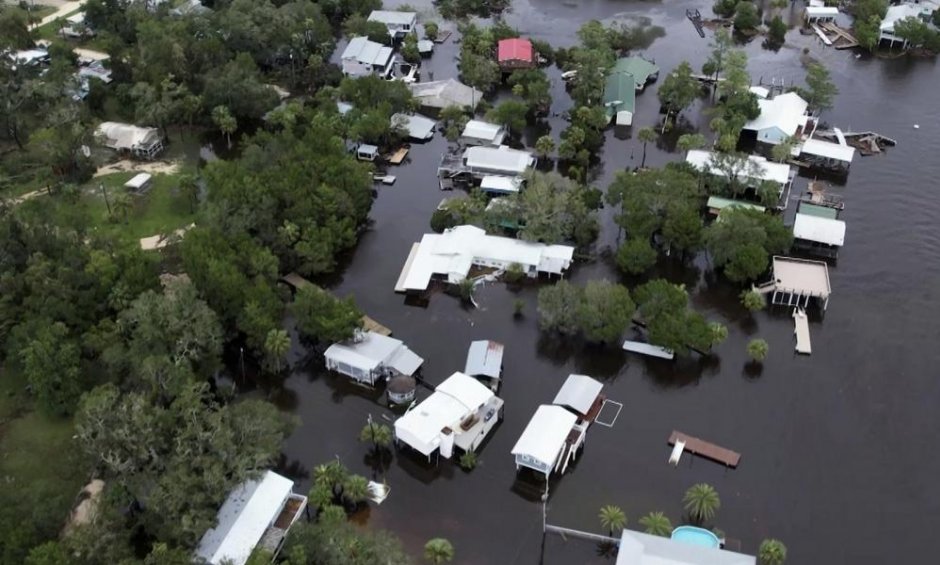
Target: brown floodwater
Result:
[838, 448]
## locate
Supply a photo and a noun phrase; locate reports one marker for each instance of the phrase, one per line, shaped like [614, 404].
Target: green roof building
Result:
[620, 98]
[642, 70]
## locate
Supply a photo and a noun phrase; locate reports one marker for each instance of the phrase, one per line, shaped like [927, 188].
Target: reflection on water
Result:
[814, 431]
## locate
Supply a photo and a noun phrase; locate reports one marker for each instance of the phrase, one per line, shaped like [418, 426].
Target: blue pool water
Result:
[695, 536]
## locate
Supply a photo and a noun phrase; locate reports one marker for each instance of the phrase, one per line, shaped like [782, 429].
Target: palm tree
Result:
[439, 550]
[702, 501]
[120, 204]
[757, 349]
[612, 518]
[645, 135]
[225, 121]
[276, 345]
[330, 475]
[355, 489]
[657, 524]
[544, 146]
[772, 552]
[189, 186]
[690, 141]
[379, 435]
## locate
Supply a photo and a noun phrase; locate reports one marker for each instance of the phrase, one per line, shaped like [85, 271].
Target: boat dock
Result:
[838, 37]
[705, 449]
[397, 157]
[370, 325]
[696, 18]
[801, 331]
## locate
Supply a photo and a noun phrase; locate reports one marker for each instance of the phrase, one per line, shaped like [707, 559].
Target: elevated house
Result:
[146, 143]
[781, 117]
[797, 282]
[370, 357]
[819, 229]
[485, 362]
[581, 395]
[440, 94]
[449, 256]
[550, 441]
[477, 132]
[920, 9]
[399, 24]
[826, 154]
[363, 57]
[516, 53]
[637, 548]
[460, 413]
[485, 164]
[257, 514]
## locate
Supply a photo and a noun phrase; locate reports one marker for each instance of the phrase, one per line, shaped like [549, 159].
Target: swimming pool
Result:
[695, 536]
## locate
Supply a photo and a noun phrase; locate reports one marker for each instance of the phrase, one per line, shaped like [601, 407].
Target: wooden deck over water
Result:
[706, 449]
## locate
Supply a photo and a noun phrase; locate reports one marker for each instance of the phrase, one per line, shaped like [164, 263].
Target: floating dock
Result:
[397, 157]
[705, 449]
[801, 330]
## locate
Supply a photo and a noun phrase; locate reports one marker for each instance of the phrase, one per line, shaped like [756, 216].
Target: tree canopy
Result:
[600, 311]
[743, 240]
[671, 323]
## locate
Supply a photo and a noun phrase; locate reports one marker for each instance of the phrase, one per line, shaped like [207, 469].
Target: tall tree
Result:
[645, 135]
[510, 114]
[679, 89]
[276, 345]
[743, 241]
[701, 500]
[605, 312]
[51, 363]
[225, 121]
[656, 524]
[323, 317]
[612, 518]
[822, 90]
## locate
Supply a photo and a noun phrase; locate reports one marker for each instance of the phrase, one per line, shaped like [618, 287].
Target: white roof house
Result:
[579, 393]
[757, 169]
[443, 93]
[418, 126]
[485, 358]
[257, 512]
[398, 23]
[780, 117]
[637, 548]
[820, 13]
[921, 9]
[126, 137]
[543, 445]
[370, 357]
[496, 184]
[460, 412]
[819, 230]
[498, 160]
[828, 150]
[364, 57]
[477, 132]
[455, 251]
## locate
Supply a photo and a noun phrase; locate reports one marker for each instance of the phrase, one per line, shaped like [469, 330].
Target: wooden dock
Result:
[705, 449]
[397, 157]
[371, 325]
[841, 38]
[801, 330]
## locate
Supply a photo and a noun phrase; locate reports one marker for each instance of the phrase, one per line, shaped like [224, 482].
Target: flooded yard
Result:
[838, 457]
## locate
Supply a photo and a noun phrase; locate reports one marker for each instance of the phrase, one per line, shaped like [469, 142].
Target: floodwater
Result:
[838, 448]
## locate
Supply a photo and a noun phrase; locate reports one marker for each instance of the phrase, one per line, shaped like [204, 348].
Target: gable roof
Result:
[787, 112]
[578, 393]
[391, 17]
[638, 67]
[545, 435]
[515, 49]
[619, 93]
[827, 231]
[444, 93]
[367, 52]
[485, 358]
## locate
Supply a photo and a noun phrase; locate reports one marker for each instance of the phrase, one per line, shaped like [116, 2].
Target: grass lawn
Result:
[162, 209]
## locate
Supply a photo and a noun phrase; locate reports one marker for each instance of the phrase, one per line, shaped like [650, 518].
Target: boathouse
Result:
[485, 362]
[582, 396]
[257, 514]
[477, 132]
[141, 142]
[451, 255]
[797, 281]
[370, 357]
[781, 117]
[826, 154]
[819, 233]
[418, 127]
[637, 548]
[399, 24]
[515, 53]
[460, 413]
[363, 57]
[550, 441]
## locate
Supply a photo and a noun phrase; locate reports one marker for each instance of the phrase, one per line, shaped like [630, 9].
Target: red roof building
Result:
[515, 54]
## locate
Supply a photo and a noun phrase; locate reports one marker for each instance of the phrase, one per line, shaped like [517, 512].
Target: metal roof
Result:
[418, 126]
[484, 358]
[637, 548]
[368, 353]
[484, 131]
[819, 211]
[719, 203]
[244, 517]
[367, 52]
[786, 112]
[759, 167]
[444, 93]
[503, 185]
[515, 49]
[498, 159]
[638, 67]
[619, 93]
[389, 17]
[828, 150]
[578, 393]
[451, 402]
[544, 437]
[820, 230]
